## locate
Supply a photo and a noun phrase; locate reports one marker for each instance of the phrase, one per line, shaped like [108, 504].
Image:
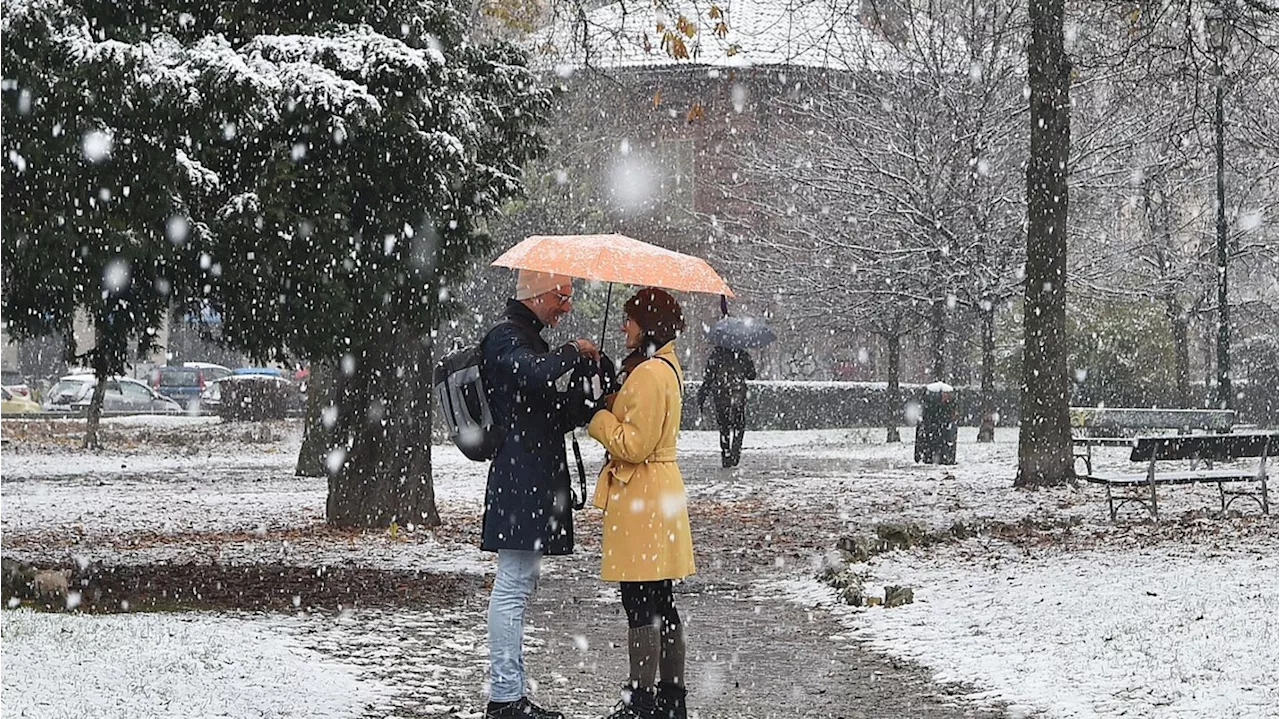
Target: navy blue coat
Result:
[527, 503]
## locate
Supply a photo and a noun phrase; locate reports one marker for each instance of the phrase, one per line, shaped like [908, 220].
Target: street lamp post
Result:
[1219, 27]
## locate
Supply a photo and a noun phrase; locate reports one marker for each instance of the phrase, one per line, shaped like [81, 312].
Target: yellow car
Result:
[11, 403]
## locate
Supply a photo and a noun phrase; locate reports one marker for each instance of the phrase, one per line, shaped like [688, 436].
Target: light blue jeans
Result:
[514, 584]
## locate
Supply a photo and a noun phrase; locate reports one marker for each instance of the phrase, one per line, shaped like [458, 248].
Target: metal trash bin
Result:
[936, 432]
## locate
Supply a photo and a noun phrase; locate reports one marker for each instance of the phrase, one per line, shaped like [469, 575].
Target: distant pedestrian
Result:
[646, 542]
[527, 504]
[725, 381]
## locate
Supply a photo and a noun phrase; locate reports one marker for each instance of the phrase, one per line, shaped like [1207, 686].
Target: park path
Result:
[750, 656]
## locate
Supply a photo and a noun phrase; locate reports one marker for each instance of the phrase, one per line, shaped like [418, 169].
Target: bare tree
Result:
[1145, 163]
[903, 167]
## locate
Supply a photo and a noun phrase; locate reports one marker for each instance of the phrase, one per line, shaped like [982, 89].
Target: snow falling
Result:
[770, 361]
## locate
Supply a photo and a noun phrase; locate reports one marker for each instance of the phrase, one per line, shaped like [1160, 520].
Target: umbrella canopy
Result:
[614, 258]
[740, 333]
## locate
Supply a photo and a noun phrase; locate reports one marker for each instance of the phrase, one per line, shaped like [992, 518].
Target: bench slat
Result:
[1210, 476]
[1206, 446]
[1105, 441]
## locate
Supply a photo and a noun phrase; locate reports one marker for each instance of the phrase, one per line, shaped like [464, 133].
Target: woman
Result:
[646, 542]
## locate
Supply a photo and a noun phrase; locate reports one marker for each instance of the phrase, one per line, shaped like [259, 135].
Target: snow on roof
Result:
[90, 377]
[805, 33]
[205, 365]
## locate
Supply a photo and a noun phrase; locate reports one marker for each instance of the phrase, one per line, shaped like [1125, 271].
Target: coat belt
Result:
[623, 471]
[662, 454]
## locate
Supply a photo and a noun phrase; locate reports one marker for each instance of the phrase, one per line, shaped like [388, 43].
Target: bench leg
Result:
[1222, 497]
[1111, 504]
[1266, 503]
[1155, 511]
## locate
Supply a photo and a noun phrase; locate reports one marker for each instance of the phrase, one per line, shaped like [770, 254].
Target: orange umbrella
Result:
[614, 258]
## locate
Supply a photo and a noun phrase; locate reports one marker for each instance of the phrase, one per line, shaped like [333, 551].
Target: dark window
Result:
[135, 390]
[179, 376]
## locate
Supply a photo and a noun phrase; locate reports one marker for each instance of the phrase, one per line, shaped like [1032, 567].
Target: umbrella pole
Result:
[608, 300]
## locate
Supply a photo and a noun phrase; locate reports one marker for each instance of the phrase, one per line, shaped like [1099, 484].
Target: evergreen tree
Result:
[95, 219]
[333, 166]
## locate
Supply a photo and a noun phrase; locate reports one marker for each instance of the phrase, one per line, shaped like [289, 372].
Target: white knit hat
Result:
[531, 283]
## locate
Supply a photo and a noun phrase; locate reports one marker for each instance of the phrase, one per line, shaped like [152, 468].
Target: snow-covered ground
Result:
[1097, 633]
[168, 665]
[1175, 619]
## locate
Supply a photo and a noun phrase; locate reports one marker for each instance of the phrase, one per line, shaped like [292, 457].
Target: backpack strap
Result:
[487, 389]
[667, 362]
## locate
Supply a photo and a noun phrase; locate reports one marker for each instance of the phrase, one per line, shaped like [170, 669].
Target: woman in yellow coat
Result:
[646, 541]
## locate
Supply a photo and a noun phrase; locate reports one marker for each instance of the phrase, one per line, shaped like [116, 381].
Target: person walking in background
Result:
[646, 542]
[527, 504]
[725, 381]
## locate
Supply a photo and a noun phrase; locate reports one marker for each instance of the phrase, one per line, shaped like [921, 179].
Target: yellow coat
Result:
[646, 521]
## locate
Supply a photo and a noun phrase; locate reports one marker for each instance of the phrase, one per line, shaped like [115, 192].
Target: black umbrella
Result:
[740, 333]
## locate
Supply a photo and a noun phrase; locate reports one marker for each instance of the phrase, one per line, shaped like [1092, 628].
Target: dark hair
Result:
[658, 315]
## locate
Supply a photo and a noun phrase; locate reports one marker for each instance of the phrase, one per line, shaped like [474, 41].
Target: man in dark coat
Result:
[726, 382]
[527, 505]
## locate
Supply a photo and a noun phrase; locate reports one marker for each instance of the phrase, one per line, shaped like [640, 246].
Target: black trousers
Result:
[650, 604]
[731, 418]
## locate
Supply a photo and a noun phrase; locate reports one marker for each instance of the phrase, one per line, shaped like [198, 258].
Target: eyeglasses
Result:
[564, 299]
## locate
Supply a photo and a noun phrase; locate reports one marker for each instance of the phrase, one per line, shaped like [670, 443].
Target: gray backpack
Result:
[465, 404]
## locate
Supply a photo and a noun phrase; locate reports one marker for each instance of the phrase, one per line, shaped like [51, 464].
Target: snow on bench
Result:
[1198, 449]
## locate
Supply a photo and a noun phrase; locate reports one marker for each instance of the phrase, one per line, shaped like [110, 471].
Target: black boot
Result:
[519, 709]
[671, 701]
[637, 703]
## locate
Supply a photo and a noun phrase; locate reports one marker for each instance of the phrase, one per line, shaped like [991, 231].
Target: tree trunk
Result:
[1225, 396]
[893, 398]
[939, 322]
[386, 410]
[94, 416]
[1044, 439]
[1181, 352]
[317, 439]
[1207, 396]
[987, 425]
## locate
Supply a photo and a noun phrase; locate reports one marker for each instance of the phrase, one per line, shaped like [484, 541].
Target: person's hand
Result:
[608, 400]
[587, 349]
[608, 375]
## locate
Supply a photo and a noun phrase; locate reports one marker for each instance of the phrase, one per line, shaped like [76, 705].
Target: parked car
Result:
[211, 396]
[184, 384]
[212, 371]
[11, 403]
[75, 392]
[252, 397]
[15, 382]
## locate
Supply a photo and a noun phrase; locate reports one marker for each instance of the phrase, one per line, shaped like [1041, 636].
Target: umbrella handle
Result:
[608, 300]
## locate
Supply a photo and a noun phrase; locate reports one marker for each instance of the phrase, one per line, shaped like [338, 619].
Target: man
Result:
[528, 506]
[726, 382]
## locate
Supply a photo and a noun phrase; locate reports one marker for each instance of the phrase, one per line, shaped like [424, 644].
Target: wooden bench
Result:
[1198, 449]
[1117, 426]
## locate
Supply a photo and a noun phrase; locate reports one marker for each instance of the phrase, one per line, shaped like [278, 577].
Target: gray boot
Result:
[639, 697]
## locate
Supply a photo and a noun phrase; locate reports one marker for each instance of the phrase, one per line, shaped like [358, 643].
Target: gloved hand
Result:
[582, 408]
[609, 383]
[588, 385]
